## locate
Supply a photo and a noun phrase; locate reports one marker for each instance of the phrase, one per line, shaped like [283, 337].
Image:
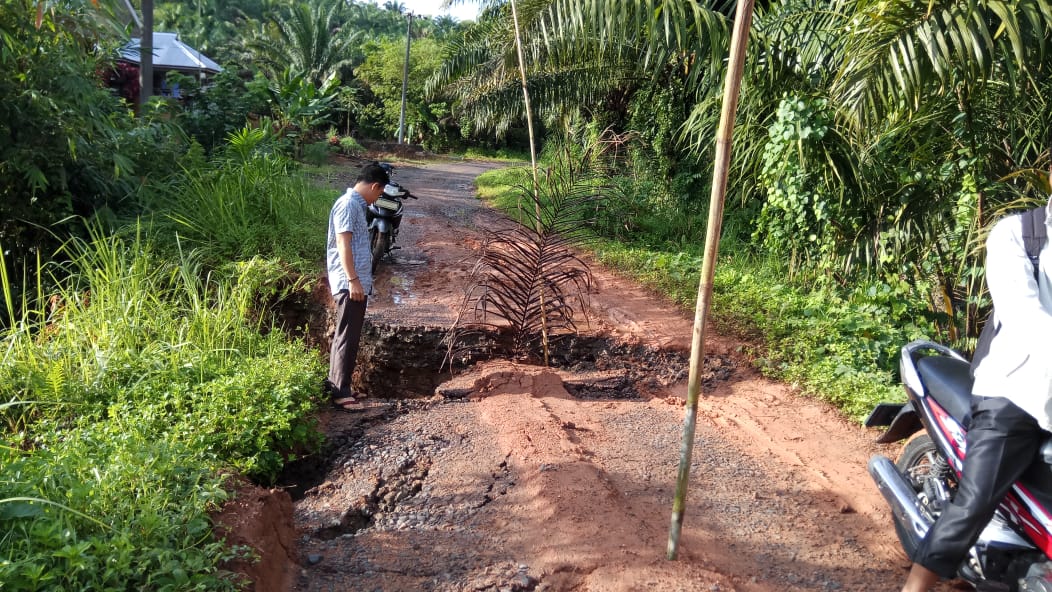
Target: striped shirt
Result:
[348, 215]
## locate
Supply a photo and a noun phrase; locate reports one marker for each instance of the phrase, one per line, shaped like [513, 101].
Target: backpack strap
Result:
[1035, 235]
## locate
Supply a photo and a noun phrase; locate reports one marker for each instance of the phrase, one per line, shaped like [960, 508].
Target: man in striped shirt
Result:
[349, 261]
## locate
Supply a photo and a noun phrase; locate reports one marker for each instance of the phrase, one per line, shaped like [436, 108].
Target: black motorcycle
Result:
[384, 216]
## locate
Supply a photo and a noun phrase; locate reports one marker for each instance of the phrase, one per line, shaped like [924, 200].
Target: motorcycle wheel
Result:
[916, 464]
[379, 241]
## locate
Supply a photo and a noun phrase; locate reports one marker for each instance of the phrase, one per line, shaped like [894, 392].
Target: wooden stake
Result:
[732, 86]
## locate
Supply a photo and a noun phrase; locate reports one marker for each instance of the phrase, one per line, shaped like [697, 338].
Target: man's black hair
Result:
[373, 173]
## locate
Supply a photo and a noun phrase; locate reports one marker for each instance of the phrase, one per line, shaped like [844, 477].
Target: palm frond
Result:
[901, 51]
[528, 279]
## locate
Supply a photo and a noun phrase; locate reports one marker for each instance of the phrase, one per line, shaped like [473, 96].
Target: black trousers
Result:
[1002, 442]
[350, 316]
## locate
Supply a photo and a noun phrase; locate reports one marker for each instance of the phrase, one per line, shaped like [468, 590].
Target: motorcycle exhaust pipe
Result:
[900, 496]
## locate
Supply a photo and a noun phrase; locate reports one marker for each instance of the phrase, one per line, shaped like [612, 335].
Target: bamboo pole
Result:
[533, 165]
[732, 86]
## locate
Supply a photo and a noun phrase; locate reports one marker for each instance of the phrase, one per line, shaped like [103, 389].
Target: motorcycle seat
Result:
[949, 382]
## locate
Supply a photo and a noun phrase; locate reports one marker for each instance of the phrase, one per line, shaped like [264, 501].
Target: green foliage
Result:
[350, 147]
[381, 73]
[135, 386]
[67, 145]
[300, 108]
[148, 541]
[306, 39]
[253, 204]
[799, 203]
[656, 115]
[216, 27]
[222, 107]
[317, 153]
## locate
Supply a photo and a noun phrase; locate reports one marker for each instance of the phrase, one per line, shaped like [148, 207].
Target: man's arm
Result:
[343, 247]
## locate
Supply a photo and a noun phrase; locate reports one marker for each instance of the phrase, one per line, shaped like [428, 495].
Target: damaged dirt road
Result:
[509, 477]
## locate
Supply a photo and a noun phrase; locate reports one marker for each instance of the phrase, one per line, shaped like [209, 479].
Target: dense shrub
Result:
[101, 508]
[125, 397]
[222, 107]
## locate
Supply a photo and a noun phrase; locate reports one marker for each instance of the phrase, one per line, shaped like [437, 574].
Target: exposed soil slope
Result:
[517, 477]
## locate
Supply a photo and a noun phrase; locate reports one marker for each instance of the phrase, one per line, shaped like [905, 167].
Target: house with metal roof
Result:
[170, 54]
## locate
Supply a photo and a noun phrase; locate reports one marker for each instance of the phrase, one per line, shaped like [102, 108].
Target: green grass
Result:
[124, 399]
[839, 346]
[262, 206]
[499, 154]
[498, 186]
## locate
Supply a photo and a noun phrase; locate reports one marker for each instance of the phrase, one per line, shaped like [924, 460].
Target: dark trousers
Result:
[350, 315]
[1002, 442]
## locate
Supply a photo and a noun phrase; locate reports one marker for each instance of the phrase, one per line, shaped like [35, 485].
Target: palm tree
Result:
[442, 26]
[311, 40]
[579, 50]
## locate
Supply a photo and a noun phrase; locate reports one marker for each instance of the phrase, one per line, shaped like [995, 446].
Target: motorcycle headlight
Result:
[394, 190]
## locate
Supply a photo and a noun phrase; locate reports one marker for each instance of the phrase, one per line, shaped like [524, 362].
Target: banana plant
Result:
[300, 107]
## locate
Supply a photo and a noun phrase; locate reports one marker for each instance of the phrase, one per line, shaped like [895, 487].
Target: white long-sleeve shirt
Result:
[1019, 364]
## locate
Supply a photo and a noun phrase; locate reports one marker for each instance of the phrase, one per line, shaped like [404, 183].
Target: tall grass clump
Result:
[124, 397]
[251, 202]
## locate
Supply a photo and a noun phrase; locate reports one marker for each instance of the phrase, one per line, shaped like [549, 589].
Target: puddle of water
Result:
[403, 289]
[408, 261]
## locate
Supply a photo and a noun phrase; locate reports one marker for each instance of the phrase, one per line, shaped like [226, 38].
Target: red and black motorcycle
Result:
[1013, 551]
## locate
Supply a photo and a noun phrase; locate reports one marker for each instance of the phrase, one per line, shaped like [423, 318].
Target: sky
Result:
[465, 10]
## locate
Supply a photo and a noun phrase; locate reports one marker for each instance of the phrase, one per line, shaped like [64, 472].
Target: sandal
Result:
[351, 403]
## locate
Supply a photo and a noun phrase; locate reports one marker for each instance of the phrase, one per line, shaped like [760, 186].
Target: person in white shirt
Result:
[1011, 402]
[349, 261]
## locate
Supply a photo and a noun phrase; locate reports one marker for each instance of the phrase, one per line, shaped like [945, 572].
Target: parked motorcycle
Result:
[1013, 551]
[384, 216]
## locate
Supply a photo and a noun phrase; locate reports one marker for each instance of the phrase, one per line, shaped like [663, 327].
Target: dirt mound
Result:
[261, 520]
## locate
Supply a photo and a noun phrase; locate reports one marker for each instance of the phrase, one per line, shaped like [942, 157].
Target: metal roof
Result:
[172, 54]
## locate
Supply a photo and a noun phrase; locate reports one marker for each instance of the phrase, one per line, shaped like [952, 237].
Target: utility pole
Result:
[405, 79]
[146, 53]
